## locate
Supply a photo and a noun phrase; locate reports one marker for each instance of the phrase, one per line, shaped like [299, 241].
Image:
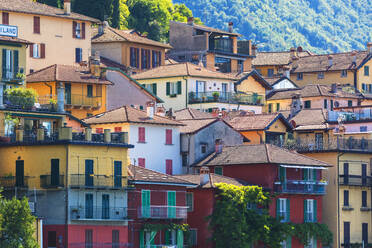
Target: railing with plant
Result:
[225, 97]
[20, 98]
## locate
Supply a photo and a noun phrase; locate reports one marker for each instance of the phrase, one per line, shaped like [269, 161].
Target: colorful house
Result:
[297, 180]
[216, 49]
[76, 182]
[159, 208]
[128, 48]
[49, 29]
[149, 132]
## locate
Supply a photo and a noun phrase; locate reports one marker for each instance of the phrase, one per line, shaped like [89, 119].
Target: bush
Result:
[21, 97]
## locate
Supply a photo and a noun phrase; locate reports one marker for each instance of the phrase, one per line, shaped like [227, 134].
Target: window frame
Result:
[321, 75]
[346, 198]
[192, 202]
[307, 104]
[366, 70]
[343, 73]
[218, 168]
[300, 76]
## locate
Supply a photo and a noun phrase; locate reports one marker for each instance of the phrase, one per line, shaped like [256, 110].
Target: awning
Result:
[304, 167]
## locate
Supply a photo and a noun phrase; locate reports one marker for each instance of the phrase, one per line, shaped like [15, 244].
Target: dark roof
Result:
[14, 40]
[209, 29]
[191, 114]
[259, 154]
[310, 119]
[213, 179]
[256, 76]
[131, 115]
[313, 90]
[143, 175]
[35, 8]
[257, 122]
[105, 62]
[115, 35]
[276, 58]
[65, 73]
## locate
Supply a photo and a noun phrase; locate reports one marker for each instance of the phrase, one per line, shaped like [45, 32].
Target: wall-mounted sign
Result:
[6, 30]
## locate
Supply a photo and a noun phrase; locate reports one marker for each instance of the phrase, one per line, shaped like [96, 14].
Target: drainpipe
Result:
[338, 196]
[187, 93]
[66, 197]
[60, 97]
[2, 96]
[355, 79]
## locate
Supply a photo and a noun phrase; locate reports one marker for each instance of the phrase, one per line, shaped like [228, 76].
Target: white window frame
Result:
[310, 210]
[9, 64]
[36, 51]
[344, 73]
[192, 201]
[283, 208]
[78, 30]
[173, 88]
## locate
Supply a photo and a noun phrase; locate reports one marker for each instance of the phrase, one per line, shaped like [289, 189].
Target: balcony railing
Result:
[100, 245]
[225, 97]
[83, 100]
[18, 102]
[11, 182]
[365, 114]
[51, 181]
[11, 75]
[355, 180]
[97, 181]
[97, 213]
[162, 212]
[301, 187]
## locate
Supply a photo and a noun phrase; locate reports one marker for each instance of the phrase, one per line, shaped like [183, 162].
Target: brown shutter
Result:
[74, 29]
[42, 51]
[83, 30]
[36, 24]
[5, 18]
[32, 50]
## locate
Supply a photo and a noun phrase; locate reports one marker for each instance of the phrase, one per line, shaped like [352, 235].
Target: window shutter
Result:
[31, 50]
[5, 18]
[83, 30]
[315, 243]
[305, 174]
[179, 87]
[282, 176]
[169, 167]
[36, 24]
[288, 212]
[167, 237]
[154, 89]
[4, 63]
[278, 208]
[314, 174]
[42, 50]
[73, 29]
[315, 211]
[168, 136]
[289, 242]
[168, 89]
[305, 211]
[142, 239]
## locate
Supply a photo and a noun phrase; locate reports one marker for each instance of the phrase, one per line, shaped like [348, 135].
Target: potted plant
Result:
[52, 105]
[215, 95]
[21, 97]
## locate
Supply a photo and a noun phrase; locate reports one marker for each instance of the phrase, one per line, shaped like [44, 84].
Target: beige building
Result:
[49, 29]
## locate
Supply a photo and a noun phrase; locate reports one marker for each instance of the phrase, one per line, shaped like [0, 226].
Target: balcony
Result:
[162, 212]
[10, 75]
[355, 180]
[12, 181]
[97, 181]
[225, 97]
[98, 213]
[103, 245]
[301, 187]
[76, 100]
[365, 114]
[49, 181]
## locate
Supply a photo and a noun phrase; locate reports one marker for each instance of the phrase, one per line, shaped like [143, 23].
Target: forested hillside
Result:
[317, 25]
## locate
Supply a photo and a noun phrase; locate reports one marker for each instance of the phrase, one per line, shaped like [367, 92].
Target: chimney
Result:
[231, 27]
[67, 7]
[60, 98]
[218, 146]
[333, 88]
[94, 65]
[330, 60]
[353, 54]
[190, 20]
[150, 107]
[295, 106]
[369, 47]
[286, 71]
[254, 50]
[204, 175]
[160, 111]
[250, 47]
[293, 52]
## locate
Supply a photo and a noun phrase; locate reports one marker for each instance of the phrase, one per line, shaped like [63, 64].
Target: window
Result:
[346, 173]
[311, 244]
[99, 130]
[151, 87]
[310, 210]
[105, 206]
[117, 129]
[344, 73]
[146, 203]
[134, 57]
[89, 90]
[10, 63]
[190, 201]
[36, 25]
[37, 51]
[89, 206]
[156, 58]
[169, 167]
[78, 55]
[89, 172]
[115, 239]
[168, 137]
[184, 159]
[346, 197]
[218, 170]
[203, 148]
[282, 209]
[307, 104]
[270, 72]
[78, 30]
[369, 88]
[145, 58]
[349, 103]
[364, 199]
[88, 238]
[331, 104]
[270, 110]
[320, 75]
[141, 135]
[363, 128]
[346, 234]
[142, 162]
[300, 76]
[366, 70]
[325, 105]
[5, 18]
[171, 201]
[173, 89]
[287, 243]
[52, 239]
[364, 87]
[365, 234]
[118, 174]
[277, 107]
[193, 237]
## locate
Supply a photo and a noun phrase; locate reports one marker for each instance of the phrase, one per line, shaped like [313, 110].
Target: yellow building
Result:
[82, 89]
[59, 36]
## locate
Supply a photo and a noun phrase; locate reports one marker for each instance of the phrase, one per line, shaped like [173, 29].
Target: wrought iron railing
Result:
[51, 181]
[355, 180]
[300, 187]
[97, 181]
[97, 213]
[100, 245]
[83, 100]
[225, 97]
[162, 212]
[12, 181]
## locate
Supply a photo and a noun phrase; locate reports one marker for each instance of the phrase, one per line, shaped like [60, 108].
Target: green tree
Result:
[16, 224]
[54, 3]
[99, 9]
[181, 13]
[120, 14]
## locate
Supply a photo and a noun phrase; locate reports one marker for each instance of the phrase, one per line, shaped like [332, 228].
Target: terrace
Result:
[96, 181]
[98, 213]
[301, 187]
[355, 180]
[162, 212]
[360, 115]
[225, 97]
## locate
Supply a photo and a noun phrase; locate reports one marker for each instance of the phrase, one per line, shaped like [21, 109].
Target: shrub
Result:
[21, 97]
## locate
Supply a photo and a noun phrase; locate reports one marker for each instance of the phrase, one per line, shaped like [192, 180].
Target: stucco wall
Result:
[110, 50]
[330, 77]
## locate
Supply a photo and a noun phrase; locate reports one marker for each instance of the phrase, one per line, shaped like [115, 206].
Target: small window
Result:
[193, 237]
[115, 239]
[321, 75]
[173, 88]
[325, 105]
[366, 70]
[270, 108]
[142, 162]
[141, 135]
[37, 51]
[190, 201]
[89, 90]
[349, 103]
[134, 57]
[364, 199]
[169, 166]
[203, 148]
[89, 114]
[307, 104]
[369, 88]
[218, 170]
[300, 76]
[364, 87]
[5, 18]
[78, 55]
[184, 160]
[270, 72]
[168, 136]
[344, 73]
[363, 128]
[277, 107]
[346, 197]
[36, 25]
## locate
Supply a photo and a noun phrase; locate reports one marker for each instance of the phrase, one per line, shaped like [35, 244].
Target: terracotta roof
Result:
[259, 154]
[182, 69]
[131, 115]
[140, 174]
[14, 40]
[243, 76]
[169, 61]
[312, 90]
[276, 58]
[193, 126]
[209, 29]
[256, 122]
[105, 62]
[308, 117]
[65, 73]
[213, 179]
[340, 61]
[190, 113]
[35, 8]
[115, 35]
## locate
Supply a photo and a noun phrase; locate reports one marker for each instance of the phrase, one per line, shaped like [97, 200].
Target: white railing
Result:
[162, 212]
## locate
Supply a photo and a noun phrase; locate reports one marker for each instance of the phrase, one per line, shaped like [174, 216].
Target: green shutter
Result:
[305, 211]
[4, 64]
[270, 108]
[168, 89]
[179, 87]
[167, 237]
[305, 174]
[179, 238]
[142, 239]
[146, 203]
[16, 62]
[189, 201]
[152, 237]
[314, 174]
[315, 243]
[288, 216]
[289, 242]
[154, 89]
[282, 176]
[277, 208]
[171, 204]
[218, 170]
[315, 211]
[278, 107]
